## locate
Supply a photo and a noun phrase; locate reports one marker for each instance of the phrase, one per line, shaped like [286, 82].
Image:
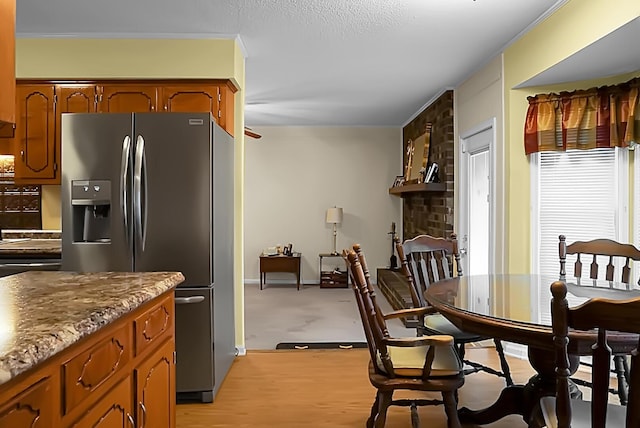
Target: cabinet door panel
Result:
[112, 411]
[33, 408]
[191, 99]
[128, 99]
[76, 99]
[154, 377]
[35, 130]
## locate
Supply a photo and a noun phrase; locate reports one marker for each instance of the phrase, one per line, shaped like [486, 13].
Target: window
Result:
[581, 194]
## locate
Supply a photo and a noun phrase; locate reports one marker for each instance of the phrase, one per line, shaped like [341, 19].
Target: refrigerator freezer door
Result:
[176, 195]
[194, 343]
[94, 150]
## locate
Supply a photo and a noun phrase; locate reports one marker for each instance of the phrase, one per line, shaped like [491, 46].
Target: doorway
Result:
[476, 202]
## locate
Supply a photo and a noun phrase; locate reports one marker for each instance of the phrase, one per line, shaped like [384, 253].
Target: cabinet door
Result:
[34, 141]
[128, 98]
[112, 411]
[156, 389]
[7, 70]
[33, 408]
[72, 99]
[194, 98]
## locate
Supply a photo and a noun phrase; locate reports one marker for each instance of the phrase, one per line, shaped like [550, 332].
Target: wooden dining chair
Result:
[425, 260]
[599, 314]
[618, 258]
[421, 364]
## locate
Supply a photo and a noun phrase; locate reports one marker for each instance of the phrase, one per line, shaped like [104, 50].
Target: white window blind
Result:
[580, 194]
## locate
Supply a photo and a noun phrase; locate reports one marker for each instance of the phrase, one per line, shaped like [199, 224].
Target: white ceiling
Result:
[316, 62]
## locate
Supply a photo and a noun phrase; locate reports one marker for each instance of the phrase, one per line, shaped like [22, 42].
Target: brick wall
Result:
[432, 212]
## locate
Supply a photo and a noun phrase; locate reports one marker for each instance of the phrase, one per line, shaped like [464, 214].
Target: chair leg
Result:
[503, 362]
[384, 401]
[451, 409]
[415, 419]
[374, 411]
[619, 362]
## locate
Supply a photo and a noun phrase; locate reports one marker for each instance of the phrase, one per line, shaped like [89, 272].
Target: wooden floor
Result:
[327, 388]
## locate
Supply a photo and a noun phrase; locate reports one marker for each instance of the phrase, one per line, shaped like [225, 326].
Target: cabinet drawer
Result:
[87, 371]
[154, 325]
[33, 408]
[340, 277]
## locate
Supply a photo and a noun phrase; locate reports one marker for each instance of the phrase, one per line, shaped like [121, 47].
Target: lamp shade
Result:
[334, 215]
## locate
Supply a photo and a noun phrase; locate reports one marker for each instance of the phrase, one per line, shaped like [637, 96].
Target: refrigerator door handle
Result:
[189, 300]
[145, 211]
[137, 191]
[124, 173]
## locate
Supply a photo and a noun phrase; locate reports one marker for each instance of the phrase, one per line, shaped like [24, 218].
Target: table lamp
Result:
[334, 216]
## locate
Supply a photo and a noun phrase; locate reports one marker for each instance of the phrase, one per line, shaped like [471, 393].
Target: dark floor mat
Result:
[321, 345]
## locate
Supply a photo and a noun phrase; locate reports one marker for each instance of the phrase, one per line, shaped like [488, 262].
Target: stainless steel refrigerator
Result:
[154, 192]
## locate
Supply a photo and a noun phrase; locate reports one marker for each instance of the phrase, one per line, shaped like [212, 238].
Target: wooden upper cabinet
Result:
[76, 99]
[34, 141]
[198, 97]
[227, 106]
[7, 67]
[191, 98]
[133, 98]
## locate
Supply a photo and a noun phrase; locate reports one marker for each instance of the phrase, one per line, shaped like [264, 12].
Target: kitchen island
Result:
[83, 349]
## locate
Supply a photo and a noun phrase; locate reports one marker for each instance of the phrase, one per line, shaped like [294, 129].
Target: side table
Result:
[280, 263]
[334, 278]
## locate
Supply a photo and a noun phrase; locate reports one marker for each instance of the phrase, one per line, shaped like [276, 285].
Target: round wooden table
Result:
[517, 308]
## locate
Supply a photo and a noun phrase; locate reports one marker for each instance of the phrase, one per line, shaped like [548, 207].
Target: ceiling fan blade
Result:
[249, 133]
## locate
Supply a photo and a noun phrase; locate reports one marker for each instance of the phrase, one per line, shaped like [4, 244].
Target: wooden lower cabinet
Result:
[154, 377]
[101, 382]
[33, 407]
[114, 410]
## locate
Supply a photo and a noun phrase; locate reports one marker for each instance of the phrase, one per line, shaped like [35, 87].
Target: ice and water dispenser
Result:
[91, 202]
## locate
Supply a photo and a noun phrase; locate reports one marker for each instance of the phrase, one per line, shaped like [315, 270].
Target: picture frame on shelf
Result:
[417, 157]
[432, 173]
[399, 181]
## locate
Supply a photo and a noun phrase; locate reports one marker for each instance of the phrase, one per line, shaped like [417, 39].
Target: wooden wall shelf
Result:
[419, 187]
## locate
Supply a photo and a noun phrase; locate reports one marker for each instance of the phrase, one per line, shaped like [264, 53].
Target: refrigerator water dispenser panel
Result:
[91, 206]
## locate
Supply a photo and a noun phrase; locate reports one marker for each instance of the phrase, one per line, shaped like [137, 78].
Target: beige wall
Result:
[60, 58]
[574, 26]
[293, 174]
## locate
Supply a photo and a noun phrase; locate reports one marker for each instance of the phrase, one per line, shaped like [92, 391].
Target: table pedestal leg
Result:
[524, 399]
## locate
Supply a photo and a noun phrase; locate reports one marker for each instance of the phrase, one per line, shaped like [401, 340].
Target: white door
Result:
[475, 229]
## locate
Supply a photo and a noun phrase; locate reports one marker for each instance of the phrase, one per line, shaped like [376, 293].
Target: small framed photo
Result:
[399, 181]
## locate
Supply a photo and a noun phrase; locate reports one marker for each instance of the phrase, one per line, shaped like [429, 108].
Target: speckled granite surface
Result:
[31, 247]
[42, 313]
[32, 233]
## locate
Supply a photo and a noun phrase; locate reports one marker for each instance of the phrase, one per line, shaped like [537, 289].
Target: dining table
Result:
[517, 308]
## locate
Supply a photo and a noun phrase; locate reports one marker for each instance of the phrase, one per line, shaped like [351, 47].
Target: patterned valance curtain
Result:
[608, 116]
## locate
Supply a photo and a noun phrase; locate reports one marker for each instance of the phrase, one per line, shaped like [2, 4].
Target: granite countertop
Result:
[32, 247]
[32, 233]
[42, 313]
